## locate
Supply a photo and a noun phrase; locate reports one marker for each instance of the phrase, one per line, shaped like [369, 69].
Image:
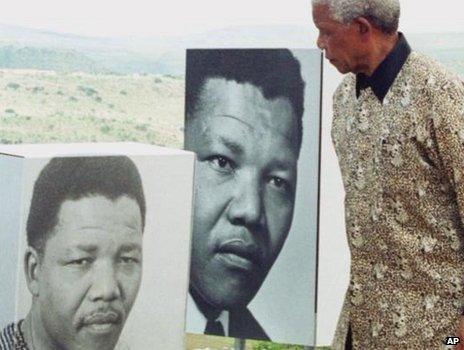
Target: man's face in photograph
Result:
[90, 272]
[245, 188]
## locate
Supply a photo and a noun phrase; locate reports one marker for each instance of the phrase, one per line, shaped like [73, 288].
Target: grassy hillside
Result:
[43, 106]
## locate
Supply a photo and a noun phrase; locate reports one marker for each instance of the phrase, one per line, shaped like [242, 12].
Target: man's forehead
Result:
[322, 14]
[97, 210]
[244, 104]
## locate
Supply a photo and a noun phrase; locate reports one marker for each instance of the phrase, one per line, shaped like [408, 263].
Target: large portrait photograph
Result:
[96, 240]
[252, 117]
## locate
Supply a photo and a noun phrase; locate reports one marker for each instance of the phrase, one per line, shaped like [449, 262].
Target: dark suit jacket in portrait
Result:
[242, 324]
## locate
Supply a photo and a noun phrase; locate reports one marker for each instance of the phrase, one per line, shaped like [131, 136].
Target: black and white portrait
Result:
[92, 230]
[83, 263]
[252, 117]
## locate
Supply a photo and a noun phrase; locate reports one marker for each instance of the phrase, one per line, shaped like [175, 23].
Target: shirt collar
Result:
[383, 77]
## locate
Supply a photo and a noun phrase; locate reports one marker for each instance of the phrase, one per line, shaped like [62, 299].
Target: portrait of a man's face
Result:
[97, 239]
[84, 261]
[246, 179]
[90, 272]
[244, 120]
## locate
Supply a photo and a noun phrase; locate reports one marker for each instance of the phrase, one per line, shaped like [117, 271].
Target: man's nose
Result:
[320, 43]
[105, 285]
[246, 206]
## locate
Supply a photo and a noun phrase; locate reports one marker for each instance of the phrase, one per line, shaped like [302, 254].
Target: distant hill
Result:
[437, 41]
[159, 55]
[448, 48]
[39, 49]
[21, 47]
[47, 59]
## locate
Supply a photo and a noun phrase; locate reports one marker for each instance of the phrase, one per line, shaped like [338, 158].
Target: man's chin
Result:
[341, 69]
[99, 336]
[226, 289]
[232, 299]
[338, 66]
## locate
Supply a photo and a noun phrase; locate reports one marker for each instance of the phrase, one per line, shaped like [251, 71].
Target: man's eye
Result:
[281, 184]
[81, 262]
[278, 182]
[221, 163]
[128, 260]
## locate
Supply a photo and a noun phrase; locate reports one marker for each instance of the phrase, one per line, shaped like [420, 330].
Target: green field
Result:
[45, 106]
[201, 342]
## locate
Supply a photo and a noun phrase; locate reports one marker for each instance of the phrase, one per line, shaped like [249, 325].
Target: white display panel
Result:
[158, 313]
[284, 307]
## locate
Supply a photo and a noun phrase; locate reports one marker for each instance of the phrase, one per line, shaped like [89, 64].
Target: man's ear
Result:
[364, 26]
[32, 270]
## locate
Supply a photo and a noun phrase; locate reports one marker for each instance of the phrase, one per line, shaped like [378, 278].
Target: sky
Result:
[148, 18]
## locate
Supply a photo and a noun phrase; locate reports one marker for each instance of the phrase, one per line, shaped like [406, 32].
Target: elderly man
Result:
[244, 120]
[398, 130]
[83, 263]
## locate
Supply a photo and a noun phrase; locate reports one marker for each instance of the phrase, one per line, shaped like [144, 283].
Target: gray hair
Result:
[384, 14]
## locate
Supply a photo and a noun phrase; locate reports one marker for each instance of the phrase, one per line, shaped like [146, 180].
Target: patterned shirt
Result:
[11, 337]
[402, 164]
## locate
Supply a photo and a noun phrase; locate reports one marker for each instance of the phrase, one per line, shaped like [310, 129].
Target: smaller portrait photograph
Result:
[95, 235]
[252, 116]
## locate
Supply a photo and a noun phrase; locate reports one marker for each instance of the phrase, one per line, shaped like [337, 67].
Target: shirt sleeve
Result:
[448, 126]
